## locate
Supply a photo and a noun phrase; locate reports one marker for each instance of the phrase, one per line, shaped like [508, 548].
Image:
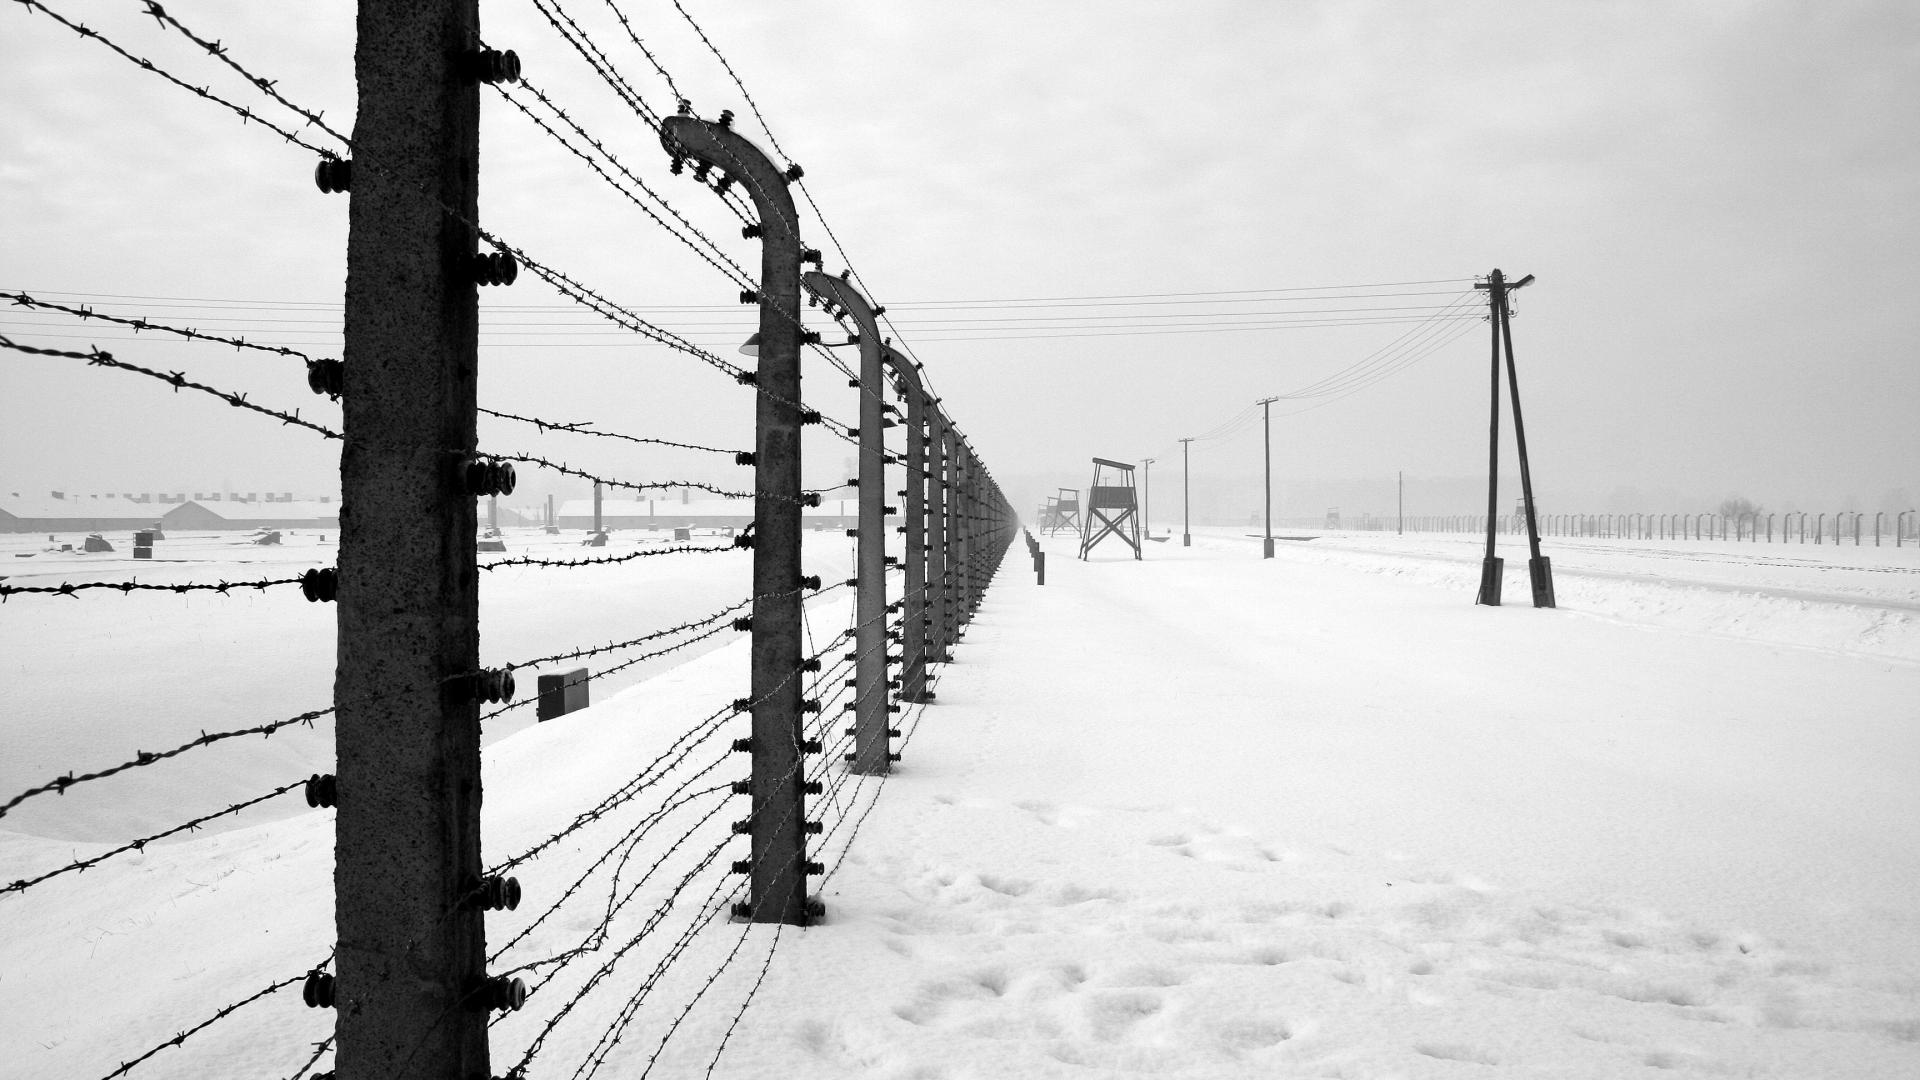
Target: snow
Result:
[1202, 815]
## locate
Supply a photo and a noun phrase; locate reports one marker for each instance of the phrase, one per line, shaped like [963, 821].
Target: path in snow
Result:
[1200, 816]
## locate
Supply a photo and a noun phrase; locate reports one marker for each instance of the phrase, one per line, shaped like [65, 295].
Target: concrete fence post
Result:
[776, 823]
[410, 967]
[871, 750]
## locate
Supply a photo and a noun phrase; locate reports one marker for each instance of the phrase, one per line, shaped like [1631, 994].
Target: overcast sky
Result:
[1718, 201]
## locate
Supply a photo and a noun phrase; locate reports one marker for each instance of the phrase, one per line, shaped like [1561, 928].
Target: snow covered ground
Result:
[1199, 816]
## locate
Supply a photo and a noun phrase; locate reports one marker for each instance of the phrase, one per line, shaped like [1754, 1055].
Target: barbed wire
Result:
[752, 992]
[23, 884]
[675, 800]
[61, 784]
[246, 115]
[799, 182]
[585, 427]
[608, 560]
[732, 270]
[176, 379]
[21, 299]
[617, 668]
[596, 937]
[74, 589]
[577, 427]
[319, 1051]
[222, 1014]
[624, 485]
[584, 652]
[561, 282]
[596, 59]
[219, 52]
[605, 969]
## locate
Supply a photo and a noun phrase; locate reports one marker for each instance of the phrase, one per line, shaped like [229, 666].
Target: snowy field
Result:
[1199, 816]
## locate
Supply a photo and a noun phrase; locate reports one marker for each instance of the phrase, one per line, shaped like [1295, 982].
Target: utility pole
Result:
[1539, 568]
[1147, 498]
[1186, 522]
[1266, 420]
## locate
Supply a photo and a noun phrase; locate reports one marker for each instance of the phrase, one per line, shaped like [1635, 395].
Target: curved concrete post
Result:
[939, 505]
[776, 824]
[870, 748]
[913, 637]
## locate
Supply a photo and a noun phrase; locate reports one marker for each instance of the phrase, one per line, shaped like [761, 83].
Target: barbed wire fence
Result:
[637, 913]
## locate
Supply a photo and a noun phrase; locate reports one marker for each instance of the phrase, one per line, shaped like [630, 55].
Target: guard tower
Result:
[1066, 510]
[1113, 506]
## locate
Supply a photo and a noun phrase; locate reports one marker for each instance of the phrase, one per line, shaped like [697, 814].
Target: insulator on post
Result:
[493, 893]
[744, 457]
[497, 994]
[811, 828]
[318, 990]
[750, 231]
[810, 581]
[322, 789]
[491, 686]
[743, 787]
[743, 866]
[811, 664]
[721, 185]
[748, 296]
[793, 173]
[809, 416]
[701, 169]
[810, 255]
[491, 65]
[327, 377]
[741, 704]
[811, 498]
[333, 175]
[879, 311]
[320, 584]
[811, 867]
[743, 541]
[809, 337]
[816, 908]
[684, 107]
[726, 118]
[743, 623]
[810, 705]
[811, 787]
[810, 746]
[747, 378]
[743, 827]
[742, 746]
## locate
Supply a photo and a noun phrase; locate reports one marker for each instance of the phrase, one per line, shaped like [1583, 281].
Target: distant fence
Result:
[1857, 527]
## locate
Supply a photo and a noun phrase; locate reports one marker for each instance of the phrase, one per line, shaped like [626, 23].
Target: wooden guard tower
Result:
[1113, 506]
[1066, 511]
